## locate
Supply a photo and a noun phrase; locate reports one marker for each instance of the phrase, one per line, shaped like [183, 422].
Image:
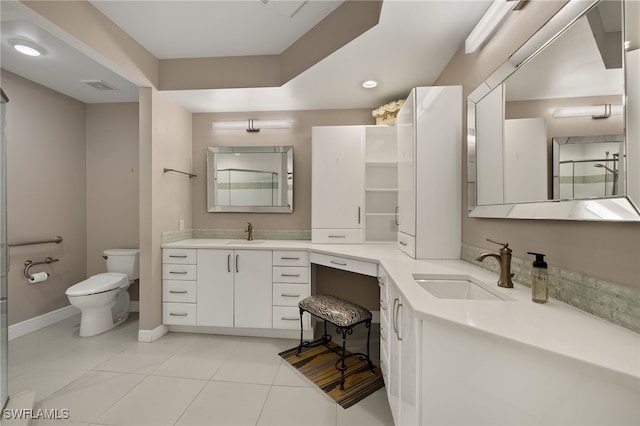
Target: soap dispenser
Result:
[539, 279]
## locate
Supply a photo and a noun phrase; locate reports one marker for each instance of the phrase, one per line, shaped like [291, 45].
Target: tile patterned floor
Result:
[182, 379]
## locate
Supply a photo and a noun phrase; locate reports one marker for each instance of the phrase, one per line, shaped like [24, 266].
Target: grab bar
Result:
[56, 240]
[28, 264]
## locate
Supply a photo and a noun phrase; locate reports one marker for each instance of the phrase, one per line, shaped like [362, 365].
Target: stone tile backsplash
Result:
[613, 302]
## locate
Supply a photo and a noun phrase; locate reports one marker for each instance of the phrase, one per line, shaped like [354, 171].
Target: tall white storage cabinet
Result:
[429, 128]
[337, 184]
[354, 184]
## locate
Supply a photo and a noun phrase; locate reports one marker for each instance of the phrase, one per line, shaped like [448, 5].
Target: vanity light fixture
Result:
[593, 111]
[490, 22]
[26, 47]
[369, 84]
[251, 126]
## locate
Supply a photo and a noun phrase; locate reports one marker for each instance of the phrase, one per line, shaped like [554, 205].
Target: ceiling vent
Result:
[100, 85]
[285, 8]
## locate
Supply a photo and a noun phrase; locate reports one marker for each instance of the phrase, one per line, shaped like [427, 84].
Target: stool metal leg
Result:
[368, 325]
[301, 329]
[343, 367]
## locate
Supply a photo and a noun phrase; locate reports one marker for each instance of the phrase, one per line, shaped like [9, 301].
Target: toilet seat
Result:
[98, 283]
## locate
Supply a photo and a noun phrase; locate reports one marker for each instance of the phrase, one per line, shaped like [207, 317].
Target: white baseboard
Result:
[41, 321]
[150, 336]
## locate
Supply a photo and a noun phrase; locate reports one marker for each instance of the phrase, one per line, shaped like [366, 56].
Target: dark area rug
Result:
[318, 365]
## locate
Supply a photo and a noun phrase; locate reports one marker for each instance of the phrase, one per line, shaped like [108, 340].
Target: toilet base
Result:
[102, 312]
[95, 321]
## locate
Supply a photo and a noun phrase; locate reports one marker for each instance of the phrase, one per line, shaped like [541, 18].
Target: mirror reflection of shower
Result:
[587, 167]
[610, 171]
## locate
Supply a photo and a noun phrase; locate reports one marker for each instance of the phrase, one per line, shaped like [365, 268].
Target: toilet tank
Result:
[124, 261]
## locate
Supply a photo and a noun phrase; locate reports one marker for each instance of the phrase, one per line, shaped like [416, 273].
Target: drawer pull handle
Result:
[402, 243]
[289, 318]
[178, 291]
[289, 295]
[337, 236]
[289, 258]
[338, 263]
[179, 256]
[178, 272]
[173, 314]
[290, 275]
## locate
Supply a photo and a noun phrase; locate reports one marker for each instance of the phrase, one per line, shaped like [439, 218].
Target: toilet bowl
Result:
[103, 299]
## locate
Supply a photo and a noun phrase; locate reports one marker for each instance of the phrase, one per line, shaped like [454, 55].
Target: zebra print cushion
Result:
[335, 310]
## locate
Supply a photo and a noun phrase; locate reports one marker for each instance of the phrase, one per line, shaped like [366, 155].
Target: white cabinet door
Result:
[403, 378]
[253, 288]
[215, 288]
[409, 373]
[337, 177]
[395, 346]
[406, 168]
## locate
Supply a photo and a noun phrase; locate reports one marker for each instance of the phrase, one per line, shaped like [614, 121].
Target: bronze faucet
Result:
[504, 259]
[249, 231]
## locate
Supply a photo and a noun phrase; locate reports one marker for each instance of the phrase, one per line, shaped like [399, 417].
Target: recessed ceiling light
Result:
[26, 47]
[369, 84]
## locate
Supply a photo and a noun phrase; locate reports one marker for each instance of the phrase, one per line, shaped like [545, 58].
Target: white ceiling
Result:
[413, 42]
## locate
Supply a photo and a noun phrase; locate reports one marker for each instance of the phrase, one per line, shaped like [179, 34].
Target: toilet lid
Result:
[121, 252]
[98, 284]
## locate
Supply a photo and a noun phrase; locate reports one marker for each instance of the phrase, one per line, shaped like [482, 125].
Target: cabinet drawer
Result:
[290, 258]
[179, 313]
[290, 274]
[338, 262]
[179, 291]
[289, 294]
[337, 236]
[182, 256]
[407, 244]
[178, 272]
[285, 317]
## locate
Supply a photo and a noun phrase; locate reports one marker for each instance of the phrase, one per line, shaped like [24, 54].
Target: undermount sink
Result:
[246, 242]
[457, 287]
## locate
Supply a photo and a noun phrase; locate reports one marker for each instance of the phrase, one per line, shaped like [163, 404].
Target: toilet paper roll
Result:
[38, 277]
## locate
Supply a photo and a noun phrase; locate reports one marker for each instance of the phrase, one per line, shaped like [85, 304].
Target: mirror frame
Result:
[621, 208]
[212, 153]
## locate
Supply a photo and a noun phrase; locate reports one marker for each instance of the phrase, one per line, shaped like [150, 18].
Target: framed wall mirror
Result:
[553, 132]
[250, 179]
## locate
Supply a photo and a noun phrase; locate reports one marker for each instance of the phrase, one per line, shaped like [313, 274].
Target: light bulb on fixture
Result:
[26, 47]
[369, 84]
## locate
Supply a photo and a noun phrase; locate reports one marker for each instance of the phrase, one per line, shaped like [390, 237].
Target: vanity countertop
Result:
[553, 326]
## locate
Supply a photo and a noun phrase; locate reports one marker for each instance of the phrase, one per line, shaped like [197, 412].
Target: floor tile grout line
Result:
[191, 403]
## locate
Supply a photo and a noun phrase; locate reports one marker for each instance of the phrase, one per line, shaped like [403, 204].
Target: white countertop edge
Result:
[553, 326]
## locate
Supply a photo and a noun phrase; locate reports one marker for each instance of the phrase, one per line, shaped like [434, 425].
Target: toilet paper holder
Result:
[28, 264]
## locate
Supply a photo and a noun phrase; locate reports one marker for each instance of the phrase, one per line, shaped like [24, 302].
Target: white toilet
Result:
[103, 299]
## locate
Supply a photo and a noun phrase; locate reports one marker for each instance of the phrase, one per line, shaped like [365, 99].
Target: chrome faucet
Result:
[249, 231]
[504, 260]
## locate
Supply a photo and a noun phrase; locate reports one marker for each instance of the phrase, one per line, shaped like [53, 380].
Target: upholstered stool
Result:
[344, 315]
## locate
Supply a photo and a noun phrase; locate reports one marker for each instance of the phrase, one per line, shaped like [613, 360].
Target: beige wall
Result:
[165, 198]
[46, 194]
[608, 251]
[112, 182]
[299, 136]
